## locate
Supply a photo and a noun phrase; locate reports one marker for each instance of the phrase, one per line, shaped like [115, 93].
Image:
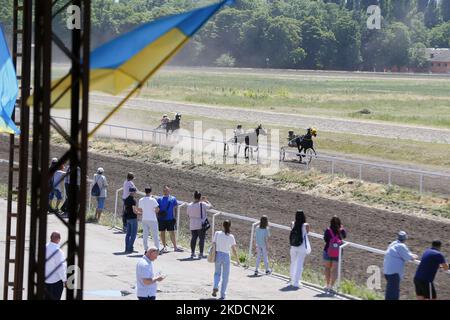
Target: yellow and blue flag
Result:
[8, 88]
[134, 57]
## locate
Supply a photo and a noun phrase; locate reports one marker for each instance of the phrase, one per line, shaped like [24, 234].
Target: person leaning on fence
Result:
[432, 260]
[223, 242]
[333, 237]
[56, 187]
[149, 208]
[131, 212]
[55, 268]
[300, 248]
[397, 254]
[65, 205]
[196, 211]
[127, 184]
[166, 219]
[102, 183]
[146, 280]
[262, 235]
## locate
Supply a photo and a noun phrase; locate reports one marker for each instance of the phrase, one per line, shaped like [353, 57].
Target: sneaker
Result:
[193, 256]
[214, 293]
[268, 272]
[256, 272]
[164, 250]
[178, 250]
[202, 256]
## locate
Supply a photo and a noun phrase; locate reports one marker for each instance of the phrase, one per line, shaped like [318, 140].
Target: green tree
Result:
[395, 45]
[440, 36]
[417, 56]
[283, 38]
[318, 43]
[445, 10]
[432, 17]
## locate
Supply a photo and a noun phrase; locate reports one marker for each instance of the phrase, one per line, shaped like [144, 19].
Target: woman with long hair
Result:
[300, 247]
[224, 242]
[262, 235]
[333, 237]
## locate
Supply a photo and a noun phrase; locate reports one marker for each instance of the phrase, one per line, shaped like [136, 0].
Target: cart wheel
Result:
[282, 154]
[309, 156]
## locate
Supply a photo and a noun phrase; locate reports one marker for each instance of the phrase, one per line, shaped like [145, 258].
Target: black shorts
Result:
[423, 289]
[167, 225]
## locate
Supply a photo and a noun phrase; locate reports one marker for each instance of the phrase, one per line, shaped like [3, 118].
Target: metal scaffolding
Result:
[76, 140]
[78, 53]
[21, 49]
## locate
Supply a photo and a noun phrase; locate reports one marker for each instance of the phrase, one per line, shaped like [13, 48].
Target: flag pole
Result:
[136, 88]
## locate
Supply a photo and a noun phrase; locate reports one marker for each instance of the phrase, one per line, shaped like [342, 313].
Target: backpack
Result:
[295, 238]
[334, 244]
[95, 191]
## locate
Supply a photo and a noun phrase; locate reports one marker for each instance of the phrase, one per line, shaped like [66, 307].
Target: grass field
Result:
[409, 100]
[404, 151]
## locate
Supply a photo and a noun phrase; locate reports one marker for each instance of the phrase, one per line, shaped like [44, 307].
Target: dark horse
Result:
[173, 125]
[303, 143]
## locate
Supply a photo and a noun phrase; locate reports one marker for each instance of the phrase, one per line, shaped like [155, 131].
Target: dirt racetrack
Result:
[364, 225]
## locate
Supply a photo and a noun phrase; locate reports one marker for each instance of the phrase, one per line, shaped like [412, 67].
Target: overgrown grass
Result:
[409, 100]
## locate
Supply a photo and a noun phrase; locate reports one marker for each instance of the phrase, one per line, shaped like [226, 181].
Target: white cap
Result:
[100, 170]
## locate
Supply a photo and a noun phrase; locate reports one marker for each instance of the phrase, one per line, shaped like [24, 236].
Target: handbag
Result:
[205, 224]
[212, 254]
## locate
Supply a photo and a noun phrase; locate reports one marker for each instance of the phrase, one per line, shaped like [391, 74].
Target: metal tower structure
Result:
[76, 141]
[17, 185]
[45, 11]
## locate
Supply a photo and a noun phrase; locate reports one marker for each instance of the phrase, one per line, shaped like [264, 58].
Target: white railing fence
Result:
[393, 175]
[254, 223]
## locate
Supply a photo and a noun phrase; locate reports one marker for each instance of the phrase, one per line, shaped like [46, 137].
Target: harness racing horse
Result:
[304, 143]
[249, 138]
[173, 125]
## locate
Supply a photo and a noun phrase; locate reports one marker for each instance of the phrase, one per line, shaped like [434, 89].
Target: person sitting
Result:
[164, 121]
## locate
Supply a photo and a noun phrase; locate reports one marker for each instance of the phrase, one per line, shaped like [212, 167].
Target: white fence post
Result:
[389, 177]
[338, 280]
[178, 221]
[115, 207]
[214, 223]
[250, 247]
[421, 183]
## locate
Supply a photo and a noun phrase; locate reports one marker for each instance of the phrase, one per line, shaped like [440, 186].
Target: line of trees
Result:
[312, 34]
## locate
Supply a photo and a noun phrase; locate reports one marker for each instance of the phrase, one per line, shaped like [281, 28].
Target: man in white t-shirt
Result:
[149, 208]
[146, 280]
[55, 268]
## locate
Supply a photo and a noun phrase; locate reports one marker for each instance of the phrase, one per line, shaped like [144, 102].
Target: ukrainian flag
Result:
[134, 57]
[8, 88]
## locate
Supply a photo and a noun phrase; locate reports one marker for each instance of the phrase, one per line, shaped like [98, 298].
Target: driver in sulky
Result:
[238, 131]
[164, 121]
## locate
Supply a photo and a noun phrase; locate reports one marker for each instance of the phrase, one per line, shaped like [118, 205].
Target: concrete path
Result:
[111, 275]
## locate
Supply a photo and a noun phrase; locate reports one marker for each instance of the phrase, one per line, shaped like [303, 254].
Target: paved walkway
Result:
[110, 274]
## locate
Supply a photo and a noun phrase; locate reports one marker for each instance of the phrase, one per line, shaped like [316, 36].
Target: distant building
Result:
[439, 59]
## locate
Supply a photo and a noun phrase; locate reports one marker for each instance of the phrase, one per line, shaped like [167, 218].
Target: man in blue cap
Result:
[394, 263]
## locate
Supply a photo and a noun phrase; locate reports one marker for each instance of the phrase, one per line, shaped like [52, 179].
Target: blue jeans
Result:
[132, 226]
[222, 270]
[392, 286]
